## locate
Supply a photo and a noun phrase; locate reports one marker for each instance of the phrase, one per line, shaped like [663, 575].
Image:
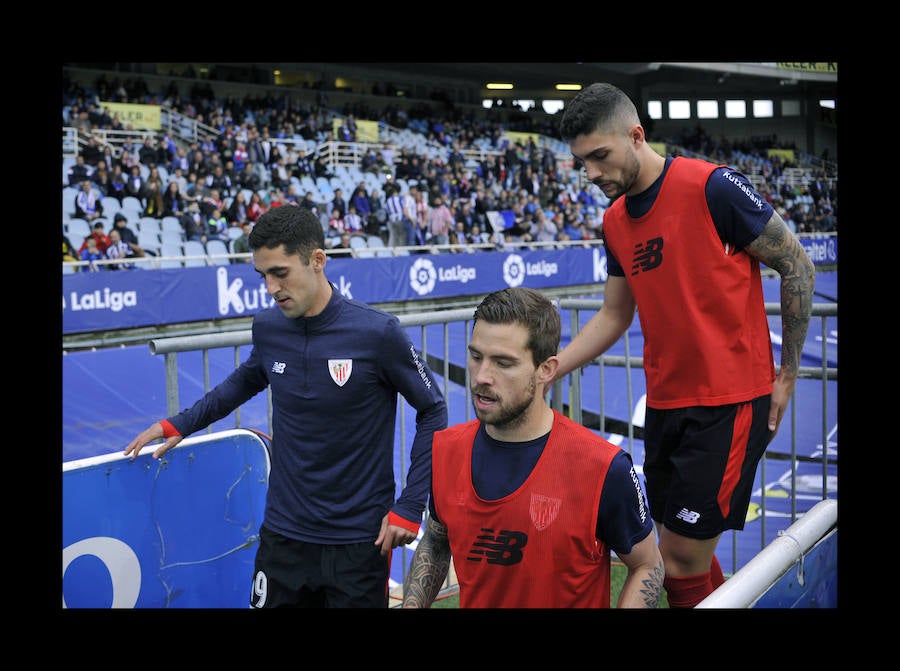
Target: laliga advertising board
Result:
[106, 301]
[177, 532]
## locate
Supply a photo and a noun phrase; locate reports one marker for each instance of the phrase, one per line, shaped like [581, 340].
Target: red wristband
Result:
[168, 429]
[397, 521]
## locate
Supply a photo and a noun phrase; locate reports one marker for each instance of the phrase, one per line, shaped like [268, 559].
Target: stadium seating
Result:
[172, 237]
[132, 203]
[170, 253]
[110, 206]
[171, 223]
[149, 240]
[218, 250]
[77, 230]
[150, 225]
[194, 253]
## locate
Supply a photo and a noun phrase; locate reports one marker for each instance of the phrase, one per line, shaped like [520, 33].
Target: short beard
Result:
[507, 418]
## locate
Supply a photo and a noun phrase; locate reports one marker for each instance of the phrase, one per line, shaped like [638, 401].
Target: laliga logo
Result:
[514, 270]
[422, 276]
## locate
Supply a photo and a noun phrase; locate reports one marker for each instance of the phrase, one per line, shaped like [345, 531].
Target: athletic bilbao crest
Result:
[340, 370]
[543, 511]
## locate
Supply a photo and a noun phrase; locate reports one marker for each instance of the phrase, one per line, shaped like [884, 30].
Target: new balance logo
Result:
[278, 367]
[504, 548]
[688, 516]
[648, 256]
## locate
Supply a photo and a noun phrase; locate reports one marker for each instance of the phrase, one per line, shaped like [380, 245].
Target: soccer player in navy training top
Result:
[684, 239]
[528, 502]
[335, 367]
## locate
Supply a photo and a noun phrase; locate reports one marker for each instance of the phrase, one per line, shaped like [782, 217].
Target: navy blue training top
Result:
[334, 379]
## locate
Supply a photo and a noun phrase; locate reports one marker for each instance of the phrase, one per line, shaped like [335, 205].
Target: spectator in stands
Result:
[291, 195]
[321, 168]
[180, 160]
[788, 220]
[409, 217]
[101, 239]
[477, 236]
[238, 212]
[147, 153]
[217, 226]
[194, 224]
[339, 203]
[440, 221]
[87, 202]
[119, 249]
[134, 185]
[397, 236]
[277, 198]
[100, 179]
[422, 236]
[219, 180]
[342, 247]
[256, 207]
[377, 221]
[241, 244]
[248, 178]
[173, 201]
[353, 222]
[92, 151]
[79, 171]
[454, 241]
[259, 148]
[200, 165]
[116, 183]
[154, 206]
[69, 253]
[360, 200]
[335, 228]
[241, 157]
[304, 165]
[543, 229]
[91, 253]
[120, 224]
[308, 202]
[280, 173]
[211, 200]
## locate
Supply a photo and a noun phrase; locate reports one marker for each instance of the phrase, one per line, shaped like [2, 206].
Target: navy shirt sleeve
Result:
[408, 372]
[241, 385]
[624, 517]
[738, 211]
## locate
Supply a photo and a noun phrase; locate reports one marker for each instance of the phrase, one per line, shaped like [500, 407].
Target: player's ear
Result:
[547, 369]
[317, 259]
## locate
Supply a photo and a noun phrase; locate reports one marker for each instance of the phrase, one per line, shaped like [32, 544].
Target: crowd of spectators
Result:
[450, 197]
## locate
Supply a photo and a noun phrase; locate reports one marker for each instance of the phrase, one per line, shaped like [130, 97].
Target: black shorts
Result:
[295, 574]
[700, 464]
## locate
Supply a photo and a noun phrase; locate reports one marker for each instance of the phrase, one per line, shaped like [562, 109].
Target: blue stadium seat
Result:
[215, 248]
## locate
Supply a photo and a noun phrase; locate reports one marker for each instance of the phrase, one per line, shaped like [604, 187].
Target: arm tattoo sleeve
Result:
[428, 568]
[780, 249]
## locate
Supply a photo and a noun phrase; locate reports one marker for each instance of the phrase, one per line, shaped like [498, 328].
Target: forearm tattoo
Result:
[652, 586]
[428, 568]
